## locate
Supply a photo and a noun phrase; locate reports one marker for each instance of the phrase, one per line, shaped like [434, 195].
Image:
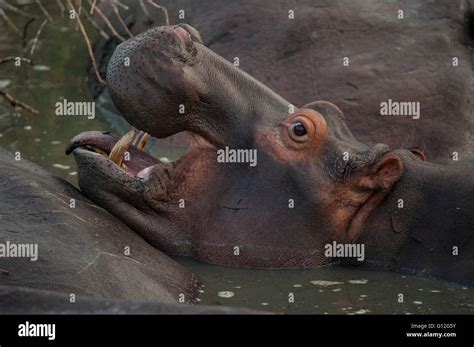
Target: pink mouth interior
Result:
[138, 159]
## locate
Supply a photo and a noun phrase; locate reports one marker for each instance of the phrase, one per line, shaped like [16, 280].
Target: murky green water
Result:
[62, 57]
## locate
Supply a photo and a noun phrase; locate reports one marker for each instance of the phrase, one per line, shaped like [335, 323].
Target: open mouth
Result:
[127, 152]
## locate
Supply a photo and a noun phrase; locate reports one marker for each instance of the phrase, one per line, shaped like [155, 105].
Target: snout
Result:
[147, 77]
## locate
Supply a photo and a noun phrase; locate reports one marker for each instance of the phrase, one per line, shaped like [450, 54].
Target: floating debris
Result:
[4, 83]
[326, 283]
[201, 291]
[225, 294]
[165, 160]
[264, 304]
[417, 302]
[27, 127]
[55, 142]
[363, 295]
[297, 285]
[62, 167]
[362, 281]
[41, 68]
[337, 290]
[435, 291]
[362, 311]
[73, 173]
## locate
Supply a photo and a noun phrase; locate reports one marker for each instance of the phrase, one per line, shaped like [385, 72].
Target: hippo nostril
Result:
[182, 34]
[195, 35]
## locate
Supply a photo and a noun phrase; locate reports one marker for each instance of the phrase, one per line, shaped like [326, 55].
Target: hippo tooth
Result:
[116, 154]
[144, 173]
[144, 137]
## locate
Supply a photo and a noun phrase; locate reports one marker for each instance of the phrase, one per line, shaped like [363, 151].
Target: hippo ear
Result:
[334, 117]
[326, 108]
[384, 174]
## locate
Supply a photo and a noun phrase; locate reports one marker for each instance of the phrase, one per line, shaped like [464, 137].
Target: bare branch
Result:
[107, 23]
[25, 31]
[8, 59]
[35, 41]
[162, 8]
[9, 22]
[15, 102]
[144, 9]
[5, 5]
[61, 6]
[44, 10]
[93, 6]
[79, 11]
[96, 25]
[117, 14]
[88, 43]
[125, 7]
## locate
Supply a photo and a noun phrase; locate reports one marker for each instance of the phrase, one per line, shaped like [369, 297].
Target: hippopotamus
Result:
[310, 189]
[360, 56]
[52, 238]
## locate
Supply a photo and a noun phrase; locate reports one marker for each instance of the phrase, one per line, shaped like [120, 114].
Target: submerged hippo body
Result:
[21, 300]
[80, 250]
[313, 184]
[407, 59]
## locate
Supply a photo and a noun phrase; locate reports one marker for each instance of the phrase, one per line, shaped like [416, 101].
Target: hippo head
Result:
[263, 183]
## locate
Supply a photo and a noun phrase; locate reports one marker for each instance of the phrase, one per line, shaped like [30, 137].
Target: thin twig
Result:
[125, 7]
[96, 25]
[9, 22]
[7, 59]
[44, 10]
[144, 9]
[6, 272]
[79, 11]
[25, 31]
[162, 8]
[107, 23]
[15, 102]
[89, 46]
[61, 6]
[93, 6]
[117, 14]
[7, 6]
[35, 41]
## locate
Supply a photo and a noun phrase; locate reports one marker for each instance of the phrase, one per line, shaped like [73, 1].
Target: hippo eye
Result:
[299, 129]
[299, 132]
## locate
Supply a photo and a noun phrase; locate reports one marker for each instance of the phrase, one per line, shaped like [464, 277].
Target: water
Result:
[43, 138]
[329, 290]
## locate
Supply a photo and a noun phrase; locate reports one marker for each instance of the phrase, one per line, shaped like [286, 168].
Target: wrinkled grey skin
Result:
[81, 249]
[20, 300]
[406, 59]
